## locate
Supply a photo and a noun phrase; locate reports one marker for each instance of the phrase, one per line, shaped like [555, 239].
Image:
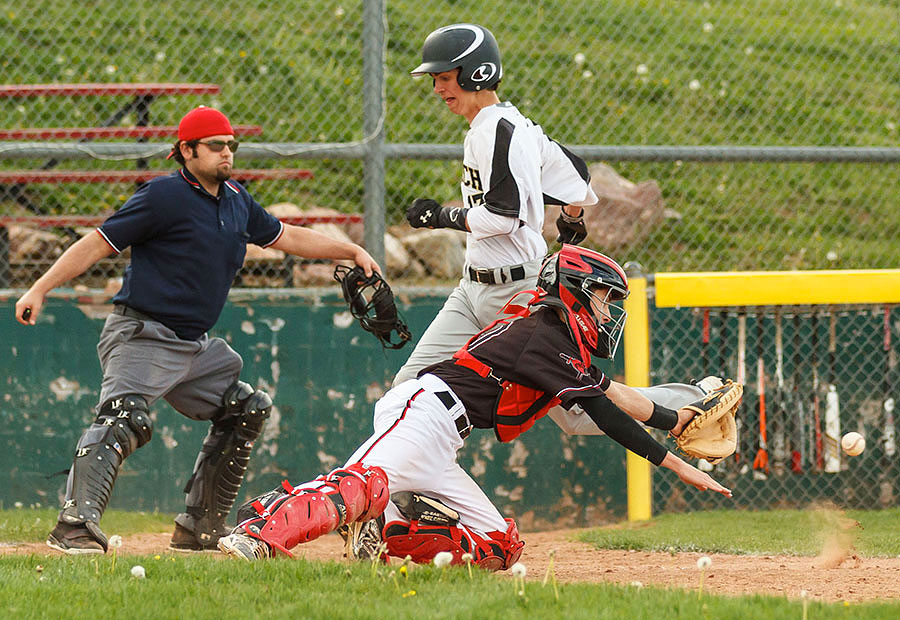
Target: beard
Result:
[223, 174]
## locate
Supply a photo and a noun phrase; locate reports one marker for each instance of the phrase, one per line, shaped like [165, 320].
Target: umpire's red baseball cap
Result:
[201, 122]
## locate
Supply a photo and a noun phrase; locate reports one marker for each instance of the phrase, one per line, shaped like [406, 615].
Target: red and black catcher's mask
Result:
[575, 276]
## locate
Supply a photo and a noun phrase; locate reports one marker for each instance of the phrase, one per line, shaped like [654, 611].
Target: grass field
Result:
[782, 532]
[209, 586]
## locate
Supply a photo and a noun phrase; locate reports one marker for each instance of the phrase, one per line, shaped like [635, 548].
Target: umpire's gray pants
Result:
[147, 358]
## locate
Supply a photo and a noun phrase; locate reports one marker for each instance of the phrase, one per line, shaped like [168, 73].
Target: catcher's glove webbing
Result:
[374, 309]
[712, 433]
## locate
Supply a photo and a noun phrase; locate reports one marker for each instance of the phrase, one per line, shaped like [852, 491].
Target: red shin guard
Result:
[302, 514]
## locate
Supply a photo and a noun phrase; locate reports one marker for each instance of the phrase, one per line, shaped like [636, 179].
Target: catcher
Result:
[403, 491]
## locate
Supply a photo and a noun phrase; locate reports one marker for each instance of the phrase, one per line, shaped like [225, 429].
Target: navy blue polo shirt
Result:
[186, 248]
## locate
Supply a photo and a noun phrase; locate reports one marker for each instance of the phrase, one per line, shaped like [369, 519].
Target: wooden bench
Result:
[69, 222]
[54, 177]
[85, 134]
[13, 183]
[142, 95]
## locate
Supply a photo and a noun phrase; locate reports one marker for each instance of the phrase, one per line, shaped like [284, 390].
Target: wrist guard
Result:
[453, 217]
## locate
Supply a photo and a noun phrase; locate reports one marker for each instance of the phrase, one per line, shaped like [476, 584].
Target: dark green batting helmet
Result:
[469, 47]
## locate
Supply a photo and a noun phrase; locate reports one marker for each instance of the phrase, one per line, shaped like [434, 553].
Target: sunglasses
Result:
[216, 146]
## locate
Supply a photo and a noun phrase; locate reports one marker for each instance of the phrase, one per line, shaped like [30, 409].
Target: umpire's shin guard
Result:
[122, 426]
[222, 462]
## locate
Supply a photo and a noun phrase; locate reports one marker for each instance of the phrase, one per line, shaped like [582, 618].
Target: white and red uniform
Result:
[506, 378]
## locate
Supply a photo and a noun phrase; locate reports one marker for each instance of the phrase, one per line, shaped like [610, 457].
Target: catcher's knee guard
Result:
[287, 518]
[434, 527]
[122, 426]
[222, 462]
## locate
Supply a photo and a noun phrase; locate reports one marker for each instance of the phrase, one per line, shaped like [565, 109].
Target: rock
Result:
[396, 257]
[442, 251]
[314, 274]
[29, 244]
[625, 214]
[353, 231]
[113, 285]
[284, 209]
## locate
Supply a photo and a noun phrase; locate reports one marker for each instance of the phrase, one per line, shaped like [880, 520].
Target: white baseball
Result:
[853, 443]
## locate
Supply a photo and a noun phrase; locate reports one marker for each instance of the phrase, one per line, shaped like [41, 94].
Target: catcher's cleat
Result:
[245, 547]
[362, 540]
[185, 540]
[73, 540]
[424, 509]
[710, 383]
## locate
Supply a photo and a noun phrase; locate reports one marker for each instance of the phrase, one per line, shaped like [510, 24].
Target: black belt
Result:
[131, 313]
[462, 422]
[488, 276]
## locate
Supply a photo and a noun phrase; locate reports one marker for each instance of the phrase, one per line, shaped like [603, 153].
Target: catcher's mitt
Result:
[374, 309]
[712, 433]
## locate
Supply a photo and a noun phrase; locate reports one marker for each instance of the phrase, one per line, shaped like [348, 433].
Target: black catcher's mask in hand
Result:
[372, 304]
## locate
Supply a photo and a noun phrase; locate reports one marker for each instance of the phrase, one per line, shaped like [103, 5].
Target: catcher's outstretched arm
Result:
[625, 431]
[622, 429]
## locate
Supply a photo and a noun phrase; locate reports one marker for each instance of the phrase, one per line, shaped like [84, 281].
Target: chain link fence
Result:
[721, 136]
[621, 82]
[825, 371]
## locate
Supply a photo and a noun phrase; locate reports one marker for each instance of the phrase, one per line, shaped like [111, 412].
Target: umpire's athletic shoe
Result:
[245, 547]
[74, 540]
[362, 540]
[184, 539]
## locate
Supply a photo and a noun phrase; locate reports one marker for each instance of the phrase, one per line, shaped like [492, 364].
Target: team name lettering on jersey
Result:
[472, 178]
[472, 188]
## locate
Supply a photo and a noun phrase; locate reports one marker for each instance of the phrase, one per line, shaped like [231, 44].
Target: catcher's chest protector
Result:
[518, 406]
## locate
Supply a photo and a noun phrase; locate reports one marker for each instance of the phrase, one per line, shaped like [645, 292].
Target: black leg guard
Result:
[122, 426]
[222, 461]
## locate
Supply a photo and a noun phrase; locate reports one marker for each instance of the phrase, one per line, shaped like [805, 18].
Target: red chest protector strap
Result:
[512, 312]
[518, 406]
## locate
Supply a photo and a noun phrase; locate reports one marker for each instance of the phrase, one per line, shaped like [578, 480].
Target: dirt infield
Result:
[830, 577]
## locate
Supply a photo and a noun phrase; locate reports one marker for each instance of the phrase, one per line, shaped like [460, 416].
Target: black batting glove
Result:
[423, 213]
[571, 229]
[426, 213]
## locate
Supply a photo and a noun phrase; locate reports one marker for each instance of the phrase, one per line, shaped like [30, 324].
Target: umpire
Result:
[188, 234]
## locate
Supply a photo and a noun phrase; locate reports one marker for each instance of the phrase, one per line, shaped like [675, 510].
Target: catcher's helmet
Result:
[575, 275]
[471, 48]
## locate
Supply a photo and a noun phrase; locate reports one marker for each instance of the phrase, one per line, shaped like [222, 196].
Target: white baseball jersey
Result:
[511, 170]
